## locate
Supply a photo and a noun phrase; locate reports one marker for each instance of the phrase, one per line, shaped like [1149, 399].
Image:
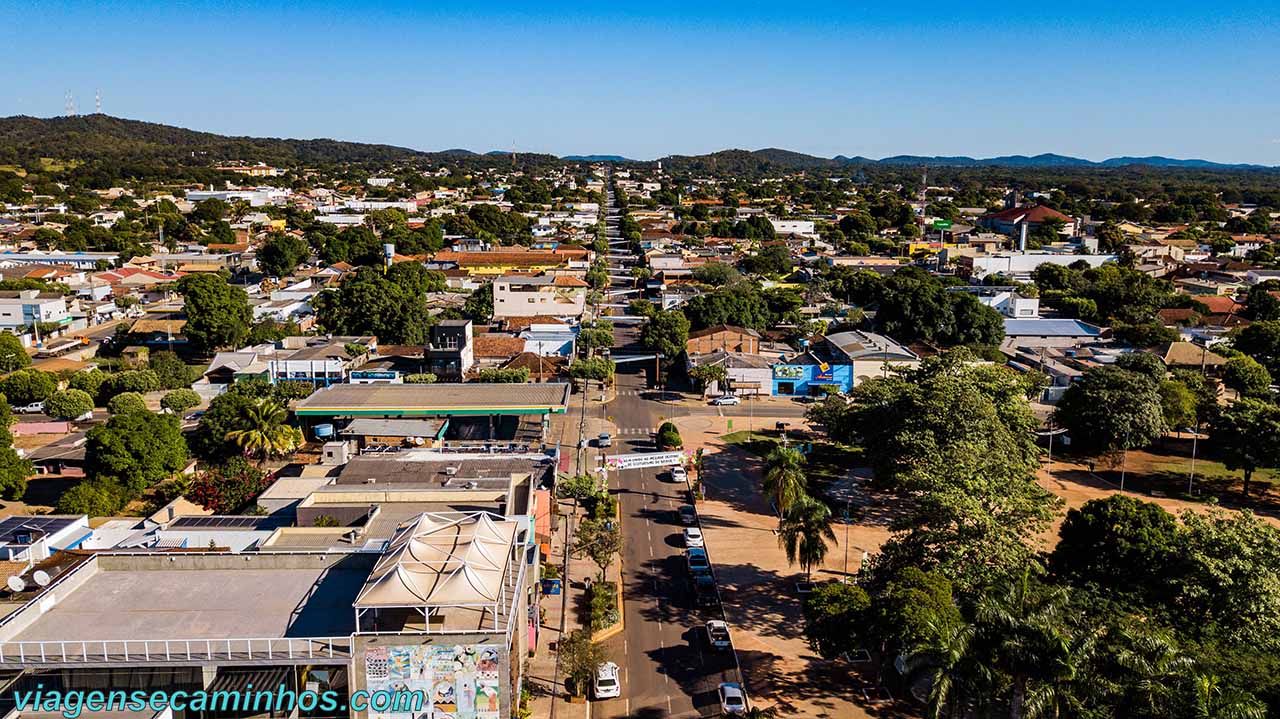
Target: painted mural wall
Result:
[458, 681]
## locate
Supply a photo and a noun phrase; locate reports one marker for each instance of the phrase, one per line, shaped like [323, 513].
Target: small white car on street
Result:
[718, 635]
[33, 408]
[726, 399]
[732, 699]
[606, 684]
[692, 537]
[679, 474]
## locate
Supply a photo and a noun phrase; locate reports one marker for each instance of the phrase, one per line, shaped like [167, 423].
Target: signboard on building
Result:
[375, 377]
[788, 371]
[648, 459]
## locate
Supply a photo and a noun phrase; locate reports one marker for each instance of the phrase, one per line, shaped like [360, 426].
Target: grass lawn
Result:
[1165, 468]
[826, 463]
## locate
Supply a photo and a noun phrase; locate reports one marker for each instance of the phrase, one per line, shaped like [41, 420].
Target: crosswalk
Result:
[635, 431]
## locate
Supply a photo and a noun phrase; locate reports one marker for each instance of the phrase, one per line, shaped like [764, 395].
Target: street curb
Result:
[616, 629]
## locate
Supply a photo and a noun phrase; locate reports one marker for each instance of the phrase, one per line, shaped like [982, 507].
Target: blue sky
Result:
[1083, 78]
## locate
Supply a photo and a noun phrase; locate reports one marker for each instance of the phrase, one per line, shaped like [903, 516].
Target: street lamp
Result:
[1051, 433]
[1195, 435]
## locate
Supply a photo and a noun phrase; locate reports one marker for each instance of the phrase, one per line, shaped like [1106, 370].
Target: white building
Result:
[1020, 265]
[21, 308]
[804, 228]
[257, 197]
[529, 296]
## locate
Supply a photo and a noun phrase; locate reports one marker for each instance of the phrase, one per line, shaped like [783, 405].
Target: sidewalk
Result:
[757, 584]
[564, 610]
[567, 610]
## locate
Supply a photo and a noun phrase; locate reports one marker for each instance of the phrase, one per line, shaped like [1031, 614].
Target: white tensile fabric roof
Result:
[436, 559]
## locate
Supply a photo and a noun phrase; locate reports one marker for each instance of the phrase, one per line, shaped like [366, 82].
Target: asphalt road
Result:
[667, 667]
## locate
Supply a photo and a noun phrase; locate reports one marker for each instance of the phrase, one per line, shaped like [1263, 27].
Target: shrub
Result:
[180, 400]
[91, 497]
[227, 487]
[89, 381]
[127, 402]
[504, 376]
[420, 378]
[669, 437]
[134, 380]
[294, 389]
[581, 486]
[68, 404]
[604, 605]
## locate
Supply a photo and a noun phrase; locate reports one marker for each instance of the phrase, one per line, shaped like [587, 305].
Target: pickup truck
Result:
[718, 635]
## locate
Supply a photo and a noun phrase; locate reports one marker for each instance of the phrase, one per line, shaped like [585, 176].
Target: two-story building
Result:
[22, 308]
[559, 296]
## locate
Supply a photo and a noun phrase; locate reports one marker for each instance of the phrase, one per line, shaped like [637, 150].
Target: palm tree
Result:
[1027, 633]
[1156, 668]
[784, 481]
[944, 665]
[266, 433]
[804, 532]
[1214, 701]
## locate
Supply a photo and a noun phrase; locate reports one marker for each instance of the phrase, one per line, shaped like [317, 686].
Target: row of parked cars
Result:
[733, 700]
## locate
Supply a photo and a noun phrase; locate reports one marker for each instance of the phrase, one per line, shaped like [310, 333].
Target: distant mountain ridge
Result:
[102, 137]
[798, 159]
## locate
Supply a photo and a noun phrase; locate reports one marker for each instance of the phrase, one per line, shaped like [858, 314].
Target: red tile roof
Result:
[1037, 213]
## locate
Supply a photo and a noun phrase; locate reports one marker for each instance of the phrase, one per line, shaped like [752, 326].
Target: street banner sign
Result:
[647, 459]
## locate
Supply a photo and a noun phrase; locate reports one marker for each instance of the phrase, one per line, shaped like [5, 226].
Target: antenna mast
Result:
[70, 104]
[97, 101]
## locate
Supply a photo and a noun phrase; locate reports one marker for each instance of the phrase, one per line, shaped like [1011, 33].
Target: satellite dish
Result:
[41, 578]
[15, 584]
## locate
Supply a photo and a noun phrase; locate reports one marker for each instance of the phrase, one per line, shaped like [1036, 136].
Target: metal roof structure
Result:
[432, 400]
[441, 562]
[1049, 328]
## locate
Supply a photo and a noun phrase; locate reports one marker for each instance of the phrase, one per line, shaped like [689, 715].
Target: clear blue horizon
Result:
[1089, 80]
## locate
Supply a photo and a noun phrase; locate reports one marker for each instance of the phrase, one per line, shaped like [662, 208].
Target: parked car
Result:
[606, 684]
[726, 399]
[696, 558]
[732, 698]
[604, 440]
[33, 408]
[679, 474]
[692, 537]
[688, 515]
[704, 591]
[718, 634]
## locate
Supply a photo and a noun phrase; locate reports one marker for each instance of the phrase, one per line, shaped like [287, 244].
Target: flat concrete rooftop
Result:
[211, 597]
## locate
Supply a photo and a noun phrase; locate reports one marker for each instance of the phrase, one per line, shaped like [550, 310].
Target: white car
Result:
[692, 537]
[732, 699]
[726, 399]
[679, 474]
[606, 685]
[33, 408]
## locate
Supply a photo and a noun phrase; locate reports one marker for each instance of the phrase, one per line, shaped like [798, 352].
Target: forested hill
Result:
[101, 137]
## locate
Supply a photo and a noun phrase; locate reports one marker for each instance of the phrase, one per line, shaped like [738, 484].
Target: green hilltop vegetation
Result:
[97, 148]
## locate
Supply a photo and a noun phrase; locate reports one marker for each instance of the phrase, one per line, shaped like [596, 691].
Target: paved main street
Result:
[667, 667]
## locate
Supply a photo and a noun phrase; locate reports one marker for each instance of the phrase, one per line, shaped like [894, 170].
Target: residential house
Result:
[450, 353]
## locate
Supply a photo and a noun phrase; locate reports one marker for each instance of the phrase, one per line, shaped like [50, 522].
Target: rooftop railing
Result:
[263, 649]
